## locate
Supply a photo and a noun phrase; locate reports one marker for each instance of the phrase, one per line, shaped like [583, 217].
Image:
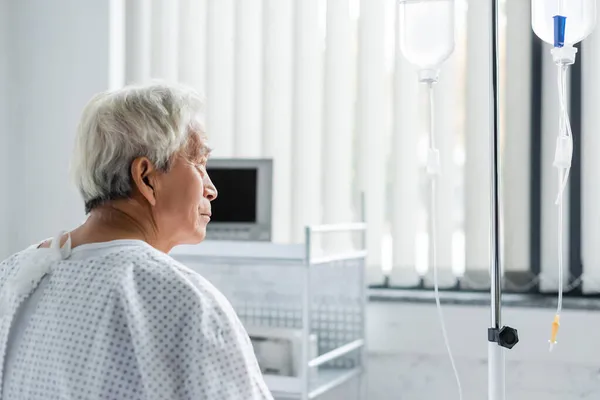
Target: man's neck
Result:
[115, 223]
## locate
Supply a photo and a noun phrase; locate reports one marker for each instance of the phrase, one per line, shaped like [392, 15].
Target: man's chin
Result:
[200, 236]
[197, 238]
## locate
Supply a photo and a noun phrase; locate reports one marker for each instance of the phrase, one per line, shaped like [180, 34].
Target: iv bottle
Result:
[427, 32]
[580, 19]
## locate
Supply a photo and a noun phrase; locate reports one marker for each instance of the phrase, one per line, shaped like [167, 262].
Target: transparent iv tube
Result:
[426, 41]
[562, 24]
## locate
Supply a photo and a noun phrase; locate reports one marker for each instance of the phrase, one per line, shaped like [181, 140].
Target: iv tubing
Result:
[433, 170]
[565, 133]
[563, 57]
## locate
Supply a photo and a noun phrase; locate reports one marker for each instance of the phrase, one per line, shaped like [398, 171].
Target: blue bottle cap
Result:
[559, 30]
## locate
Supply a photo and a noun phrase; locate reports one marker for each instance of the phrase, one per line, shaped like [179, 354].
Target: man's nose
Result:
[210, 191]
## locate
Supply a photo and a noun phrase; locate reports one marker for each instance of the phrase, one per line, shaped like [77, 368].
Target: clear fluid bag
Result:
[427, 31]
[580, 19]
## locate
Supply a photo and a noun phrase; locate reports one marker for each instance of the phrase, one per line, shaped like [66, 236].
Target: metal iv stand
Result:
[499, 337]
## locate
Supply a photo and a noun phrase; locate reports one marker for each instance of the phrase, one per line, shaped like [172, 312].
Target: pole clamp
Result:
[505, 337]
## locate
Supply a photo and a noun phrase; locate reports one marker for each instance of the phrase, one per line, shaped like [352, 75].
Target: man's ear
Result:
[142, 175]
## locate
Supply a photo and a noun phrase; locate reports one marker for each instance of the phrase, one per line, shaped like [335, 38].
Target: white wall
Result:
[59, 55]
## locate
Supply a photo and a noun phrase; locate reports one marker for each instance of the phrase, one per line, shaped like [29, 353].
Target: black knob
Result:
[508, 337]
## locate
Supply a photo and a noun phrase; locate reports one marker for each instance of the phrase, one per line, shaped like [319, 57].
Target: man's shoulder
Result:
[156, 288]
[154, 273]
[152, 263]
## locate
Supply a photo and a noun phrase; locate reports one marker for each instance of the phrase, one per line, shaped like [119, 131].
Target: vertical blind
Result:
[321, 87]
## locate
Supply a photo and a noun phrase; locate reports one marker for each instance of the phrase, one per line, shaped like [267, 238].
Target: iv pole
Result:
[499, 337]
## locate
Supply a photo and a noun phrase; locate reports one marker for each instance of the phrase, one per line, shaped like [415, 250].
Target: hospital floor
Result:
[417, 377]
[408, 361]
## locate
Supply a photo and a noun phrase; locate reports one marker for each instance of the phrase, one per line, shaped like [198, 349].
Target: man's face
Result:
[183, 195]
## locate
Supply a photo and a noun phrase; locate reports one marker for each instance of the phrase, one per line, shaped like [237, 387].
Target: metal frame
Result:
[496, 196]
[496, 362]
[358, 344]
[294, 287]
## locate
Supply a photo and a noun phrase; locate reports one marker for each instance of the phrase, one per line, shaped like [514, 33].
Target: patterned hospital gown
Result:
[121, 320]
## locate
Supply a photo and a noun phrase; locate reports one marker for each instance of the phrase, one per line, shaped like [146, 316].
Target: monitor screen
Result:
[236, 202]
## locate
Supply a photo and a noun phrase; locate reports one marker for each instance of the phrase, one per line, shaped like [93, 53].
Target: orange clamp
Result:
[555, 326]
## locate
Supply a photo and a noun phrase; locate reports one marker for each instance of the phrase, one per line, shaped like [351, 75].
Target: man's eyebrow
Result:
[199, 148]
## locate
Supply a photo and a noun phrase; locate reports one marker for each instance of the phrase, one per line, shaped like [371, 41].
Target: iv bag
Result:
[427, 31]
[580, 19]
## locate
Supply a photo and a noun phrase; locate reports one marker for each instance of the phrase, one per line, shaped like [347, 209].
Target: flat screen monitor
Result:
[242, 209]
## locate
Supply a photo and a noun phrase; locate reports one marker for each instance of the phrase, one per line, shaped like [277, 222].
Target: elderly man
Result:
[102, 312]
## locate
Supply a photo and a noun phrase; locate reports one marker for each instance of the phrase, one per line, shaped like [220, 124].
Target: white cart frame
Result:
[299, 287]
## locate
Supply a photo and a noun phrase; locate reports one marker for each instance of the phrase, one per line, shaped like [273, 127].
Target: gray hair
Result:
[116, 127]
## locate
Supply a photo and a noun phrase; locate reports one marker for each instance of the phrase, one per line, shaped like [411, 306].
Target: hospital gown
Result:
[121, 320]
